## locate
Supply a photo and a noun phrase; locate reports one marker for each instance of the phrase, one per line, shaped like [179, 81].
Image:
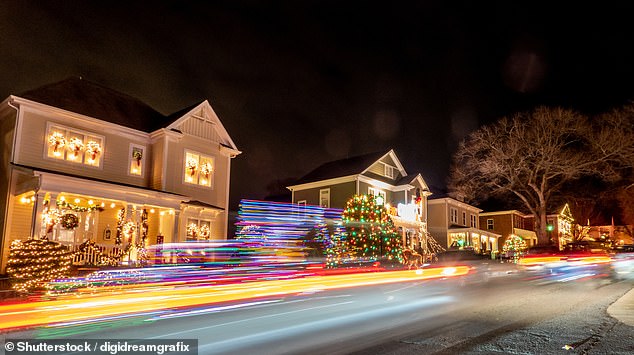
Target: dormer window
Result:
[389, 171]
[75, 146]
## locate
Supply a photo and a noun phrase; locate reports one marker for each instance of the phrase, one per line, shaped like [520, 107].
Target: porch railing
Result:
[92, 256]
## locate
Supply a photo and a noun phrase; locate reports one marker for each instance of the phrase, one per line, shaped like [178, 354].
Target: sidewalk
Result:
[623, 308]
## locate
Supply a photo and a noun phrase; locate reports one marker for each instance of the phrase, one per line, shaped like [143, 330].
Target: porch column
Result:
[130, 216]
[176, 224]
[36, 218]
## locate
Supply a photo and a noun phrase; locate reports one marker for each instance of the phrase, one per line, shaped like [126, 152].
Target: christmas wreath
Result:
[69, 221]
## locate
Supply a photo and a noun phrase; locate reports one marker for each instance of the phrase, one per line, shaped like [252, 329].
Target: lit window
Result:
[199, 169]
[198, 229]
[376, 192]
[136, 159]
[73, 145]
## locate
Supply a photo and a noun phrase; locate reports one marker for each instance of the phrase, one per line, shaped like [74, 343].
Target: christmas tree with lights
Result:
[34, 262]
[369, 233]
[516, 245]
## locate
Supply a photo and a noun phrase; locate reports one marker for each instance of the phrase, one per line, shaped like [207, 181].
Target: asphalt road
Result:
[505, 315]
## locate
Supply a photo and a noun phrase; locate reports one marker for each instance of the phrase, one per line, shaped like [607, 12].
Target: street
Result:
[508, 314]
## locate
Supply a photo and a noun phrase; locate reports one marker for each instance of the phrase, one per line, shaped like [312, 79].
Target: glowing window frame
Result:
[199, 222]
[132, 162]
[376, 192]
[69, 132]
[194, 179]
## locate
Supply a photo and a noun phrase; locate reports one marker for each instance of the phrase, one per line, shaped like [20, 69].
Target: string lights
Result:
[34, 262]
[370, 233]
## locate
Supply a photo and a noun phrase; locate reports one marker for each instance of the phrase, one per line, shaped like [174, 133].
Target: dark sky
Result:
[299, 83]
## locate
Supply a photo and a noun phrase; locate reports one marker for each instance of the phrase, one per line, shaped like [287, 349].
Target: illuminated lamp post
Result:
[549, 229]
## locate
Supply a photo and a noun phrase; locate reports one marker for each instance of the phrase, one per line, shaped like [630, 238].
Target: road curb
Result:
[623, 308]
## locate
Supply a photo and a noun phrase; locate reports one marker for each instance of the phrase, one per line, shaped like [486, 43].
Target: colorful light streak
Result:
[262, 219]
[160, 296]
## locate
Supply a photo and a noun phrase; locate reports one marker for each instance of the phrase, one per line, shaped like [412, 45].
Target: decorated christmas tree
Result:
[516, 245]
[33, 262]
[369, 233]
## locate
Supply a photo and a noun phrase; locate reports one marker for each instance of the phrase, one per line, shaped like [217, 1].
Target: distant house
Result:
[332, 184]
[455, 224]
[122, 169]
[507, 223]
[622, 235]
[558, 227]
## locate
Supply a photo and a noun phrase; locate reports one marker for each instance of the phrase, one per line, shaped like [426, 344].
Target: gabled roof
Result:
[94, 100]
[343, 167]
[411, 178]
[202, 111]
[359, 165]
[566, 213]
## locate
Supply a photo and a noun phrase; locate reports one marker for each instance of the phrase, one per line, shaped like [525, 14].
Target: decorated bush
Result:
[34, 262]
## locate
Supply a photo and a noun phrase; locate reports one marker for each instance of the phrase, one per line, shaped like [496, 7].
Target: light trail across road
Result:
[153, 297]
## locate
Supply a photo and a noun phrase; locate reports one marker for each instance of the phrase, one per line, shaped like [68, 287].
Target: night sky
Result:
[300, 83]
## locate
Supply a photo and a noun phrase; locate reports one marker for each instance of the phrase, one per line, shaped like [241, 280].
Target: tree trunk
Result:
[541, 226]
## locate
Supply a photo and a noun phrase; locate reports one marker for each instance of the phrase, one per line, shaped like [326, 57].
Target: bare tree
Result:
[532, 155]
[626, 202]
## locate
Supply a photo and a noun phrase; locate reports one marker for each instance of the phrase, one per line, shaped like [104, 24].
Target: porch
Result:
[117, 221]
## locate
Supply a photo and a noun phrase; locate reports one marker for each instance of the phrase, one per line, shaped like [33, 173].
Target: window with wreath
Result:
[136, 159]
[198, 229]
[75, 146]
[199, 169]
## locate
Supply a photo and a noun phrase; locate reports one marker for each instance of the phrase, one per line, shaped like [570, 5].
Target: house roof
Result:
[407, 179]
[87, 98]
[356, 166]
[343, 167]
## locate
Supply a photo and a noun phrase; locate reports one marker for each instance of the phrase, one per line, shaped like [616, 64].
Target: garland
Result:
[65, 205]
[120, 217]
[144, 227]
